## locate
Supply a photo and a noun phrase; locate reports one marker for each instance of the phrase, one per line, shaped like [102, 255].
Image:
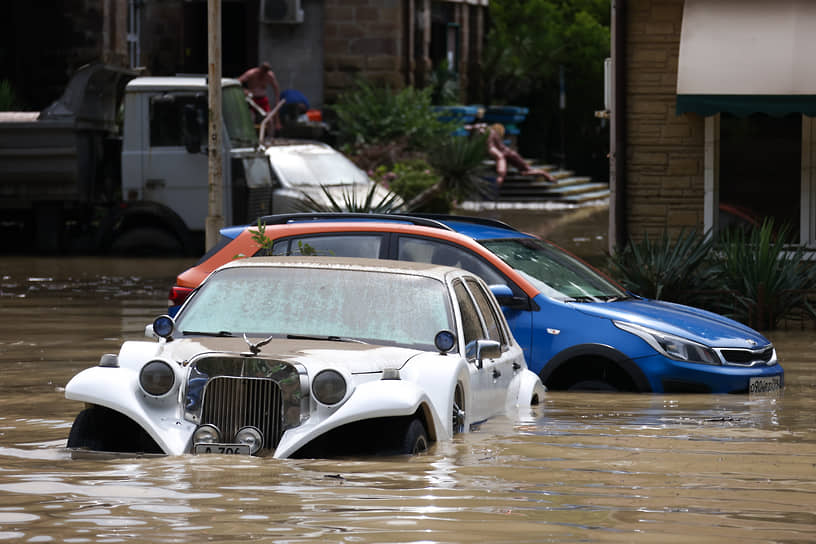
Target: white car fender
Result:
[525, 388]
[118, 389]
[374, 399]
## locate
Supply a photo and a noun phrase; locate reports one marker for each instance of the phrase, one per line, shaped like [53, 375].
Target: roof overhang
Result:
[747, 56]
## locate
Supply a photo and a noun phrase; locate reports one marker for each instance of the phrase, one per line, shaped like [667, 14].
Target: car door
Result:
[488, 387]
[426, 250]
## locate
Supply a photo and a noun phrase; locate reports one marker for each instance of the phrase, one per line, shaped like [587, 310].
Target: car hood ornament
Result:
[255, 349]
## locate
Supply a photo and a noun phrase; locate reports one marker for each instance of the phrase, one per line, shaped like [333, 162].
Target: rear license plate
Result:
[225, 449]
[764, 384]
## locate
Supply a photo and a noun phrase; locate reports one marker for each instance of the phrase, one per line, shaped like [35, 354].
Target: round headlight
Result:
[157, 378]
[444, 341]
[164, 325]
[207, 434]
[329, 387]
[250, 436]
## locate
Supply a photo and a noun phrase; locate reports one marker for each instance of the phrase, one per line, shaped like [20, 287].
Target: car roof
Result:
[436, 271]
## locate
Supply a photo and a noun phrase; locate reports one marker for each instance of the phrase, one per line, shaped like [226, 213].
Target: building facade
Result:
[713, 105]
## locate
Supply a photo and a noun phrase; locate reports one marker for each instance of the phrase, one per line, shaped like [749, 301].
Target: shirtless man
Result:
[256, 80]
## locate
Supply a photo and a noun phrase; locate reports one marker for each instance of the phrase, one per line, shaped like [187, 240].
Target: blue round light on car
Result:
[329, 387]
[444, 341]
[157, 378]
[164, 326]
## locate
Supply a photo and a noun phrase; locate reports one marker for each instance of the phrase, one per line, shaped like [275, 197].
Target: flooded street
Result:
[580, 467]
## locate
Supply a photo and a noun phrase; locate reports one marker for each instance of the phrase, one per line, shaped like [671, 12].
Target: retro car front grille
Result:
[747, 357]
[231, 403]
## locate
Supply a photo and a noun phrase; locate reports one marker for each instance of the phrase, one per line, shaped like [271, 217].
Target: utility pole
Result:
[215, 220]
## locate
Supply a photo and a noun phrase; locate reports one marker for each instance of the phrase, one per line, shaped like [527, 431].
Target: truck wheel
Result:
[415, 439]
[82, 435]
[146, 241]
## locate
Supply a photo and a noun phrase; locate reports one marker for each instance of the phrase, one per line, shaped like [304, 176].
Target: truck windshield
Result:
[238, 119]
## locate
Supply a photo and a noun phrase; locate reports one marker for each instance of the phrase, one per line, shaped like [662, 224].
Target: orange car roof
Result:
[244, 246]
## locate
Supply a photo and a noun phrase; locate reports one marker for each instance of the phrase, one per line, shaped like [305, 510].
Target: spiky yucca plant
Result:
[767, 276]
[666, 269]
[390, 202]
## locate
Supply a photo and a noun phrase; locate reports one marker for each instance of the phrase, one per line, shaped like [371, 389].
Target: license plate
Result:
[764, 384]
[225, 449]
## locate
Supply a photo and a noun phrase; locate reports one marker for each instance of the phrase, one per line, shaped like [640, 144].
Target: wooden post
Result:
[215, 219]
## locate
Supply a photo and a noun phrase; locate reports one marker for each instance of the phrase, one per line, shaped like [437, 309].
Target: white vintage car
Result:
[309, 357]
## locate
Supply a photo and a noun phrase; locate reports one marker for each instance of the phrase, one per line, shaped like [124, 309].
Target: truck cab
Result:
[165, 186]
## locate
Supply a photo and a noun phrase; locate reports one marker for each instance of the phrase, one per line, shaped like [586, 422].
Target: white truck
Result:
[119, 165]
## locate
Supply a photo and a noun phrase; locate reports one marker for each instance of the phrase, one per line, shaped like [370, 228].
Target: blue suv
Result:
[579, 330]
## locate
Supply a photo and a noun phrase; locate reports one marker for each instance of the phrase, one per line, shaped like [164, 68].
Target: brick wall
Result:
[664, 152]
[363, 37]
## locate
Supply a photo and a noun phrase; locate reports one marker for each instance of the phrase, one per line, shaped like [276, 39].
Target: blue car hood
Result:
[693, 323]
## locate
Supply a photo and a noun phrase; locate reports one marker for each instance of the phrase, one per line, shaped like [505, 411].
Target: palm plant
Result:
[766, 275]
[457, 160]
[666, 269]
[351, 202]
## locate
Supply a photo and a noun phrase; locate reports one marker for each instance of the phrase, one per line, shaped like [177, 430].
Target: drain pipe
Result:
[617, 130]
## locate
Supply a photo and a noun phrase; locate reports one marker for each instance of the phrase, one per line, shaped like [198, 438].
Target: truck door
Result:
[172, 175]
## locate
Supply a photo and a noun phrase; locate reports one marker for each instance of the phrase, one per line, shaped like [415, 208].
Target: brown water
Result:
[580, 467]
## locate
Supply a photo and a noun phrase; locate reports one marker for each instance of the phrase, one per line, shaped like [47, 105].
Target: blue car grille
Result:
[747, 357]
[231, 403]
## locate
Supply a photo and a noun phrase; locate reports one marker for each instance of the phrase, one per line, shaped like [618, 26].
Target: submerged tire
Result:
[147, 241]
[102, 429]
[415, 438]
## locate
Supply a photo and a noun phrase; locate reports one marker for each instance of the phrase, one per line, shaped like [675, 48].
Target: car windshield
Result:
[314, 165]
[339, 304]
[554, 272]
[237, 117]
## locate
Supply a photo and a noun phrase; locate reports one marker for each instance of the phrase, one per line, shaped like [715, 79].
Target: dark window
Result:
[472, 327]
[167, 119]
[431, 251]
[494, 329]
[343, 245]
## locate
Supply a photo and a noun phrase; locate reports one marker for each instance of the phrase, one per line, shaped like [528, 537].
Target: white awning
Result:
[746, 56]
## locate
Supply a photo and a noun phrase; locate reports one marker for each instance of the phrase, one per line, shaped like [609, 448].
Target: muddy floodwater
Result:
[578, 468]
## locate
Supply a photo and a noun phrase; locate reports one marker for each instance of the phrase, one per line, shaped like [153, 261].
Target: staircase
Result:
[567, 187]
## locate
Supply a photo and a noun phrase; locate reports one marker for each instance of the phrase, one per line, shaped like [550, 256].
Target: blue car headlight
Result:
[671, 346]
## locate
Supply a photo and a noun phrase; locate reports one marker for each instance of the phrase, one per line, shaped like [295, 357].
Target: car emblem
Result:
[751, 342]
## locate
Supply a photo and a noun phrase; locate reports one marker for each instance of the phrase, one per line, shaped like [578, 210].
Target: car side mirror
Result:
[191, 129]
[506, 299]
[479, 350]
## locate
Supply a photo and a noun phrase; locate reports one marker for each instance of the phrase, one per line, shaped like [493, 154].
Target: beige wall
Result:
[664, 184]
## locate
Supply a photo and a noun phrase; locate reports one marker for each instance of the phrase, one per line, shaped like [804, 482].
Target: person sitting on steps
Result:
[503, 155]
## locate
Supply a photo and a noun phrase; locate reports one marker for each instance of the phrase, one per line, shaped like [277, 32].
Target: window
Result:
[167, 119]
[435, 252]
[494, 329]
[341, 245]
[471, 325]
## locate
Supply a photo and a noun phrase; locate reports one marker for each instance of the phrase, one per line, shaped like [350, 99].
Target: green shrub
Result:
[372, 114]
[411, 177]
[8, 99]
[766, 277]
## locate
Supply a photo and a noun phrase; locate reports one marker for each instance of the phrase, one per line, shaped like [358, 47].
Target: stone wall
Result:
[664, 152]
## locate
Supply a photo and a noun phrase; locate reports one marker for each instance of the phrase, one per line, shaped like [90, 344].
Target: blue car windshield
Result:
[369, 306]
[555, 273]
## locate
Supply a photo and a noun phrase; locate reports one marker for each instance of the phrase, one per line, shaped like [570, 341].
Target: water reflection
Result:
[579, 467]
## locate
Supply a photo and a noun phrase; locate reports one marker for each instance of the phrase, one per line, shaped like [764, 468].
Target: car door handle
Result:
[496, 373]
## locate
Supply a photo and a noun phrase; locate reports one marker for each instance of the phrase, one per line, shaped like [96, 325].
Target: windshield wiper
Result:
[223, 334]
[328, 338]
[582, 298]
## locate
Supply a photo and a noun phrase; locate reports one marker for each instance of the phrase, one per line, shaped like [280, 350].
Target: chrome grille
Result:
[748, 357]
[230, 403]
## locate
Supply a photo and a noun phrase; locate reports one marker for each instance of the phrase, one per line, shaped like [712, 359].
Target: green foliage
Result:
[458, 160]
[444, 85]
[665, 269]
[371, 114]
[411, 177]
[8, 98]
[765, 276]
[350, 202]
